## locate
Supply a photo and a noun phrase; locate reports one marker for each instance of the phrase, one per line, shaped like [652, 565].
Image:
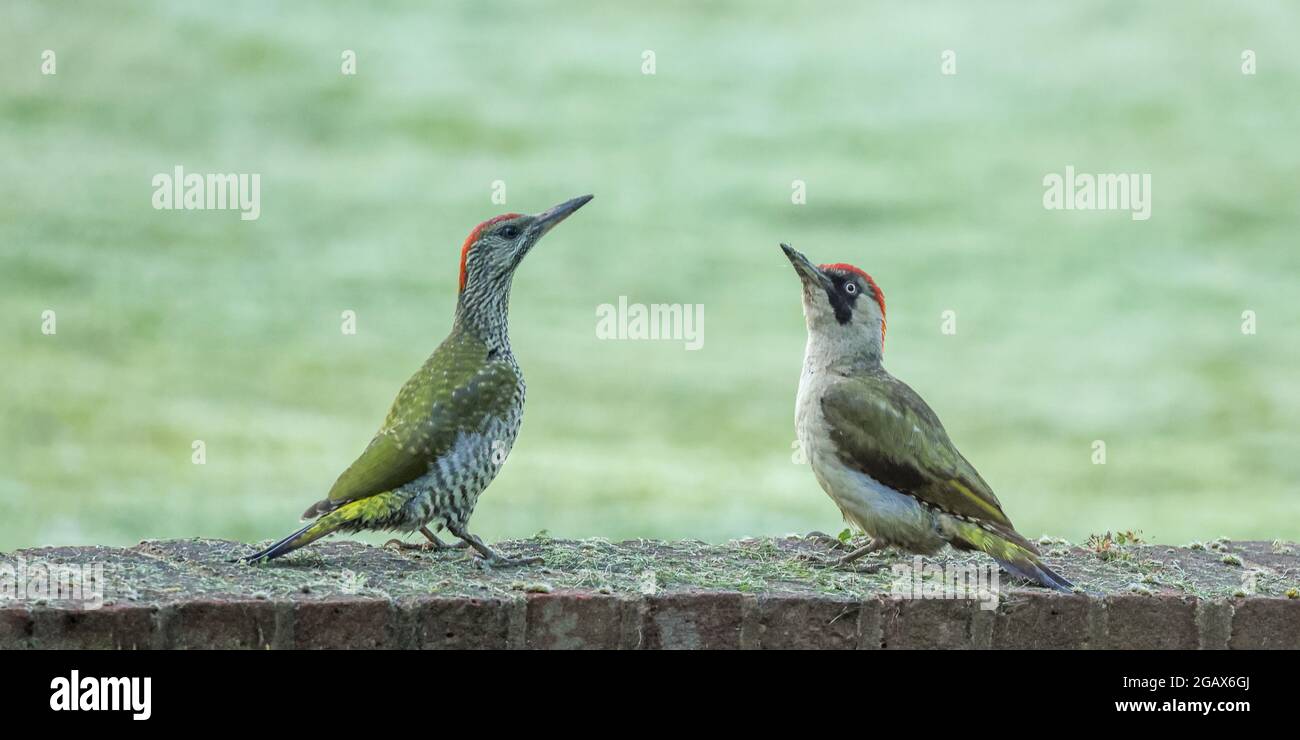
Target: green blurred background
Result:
[175, 326]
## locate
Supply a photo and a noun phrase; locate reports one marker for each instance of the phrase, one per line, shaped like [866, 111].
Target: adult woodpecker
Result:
[454, 421]
[876, 448]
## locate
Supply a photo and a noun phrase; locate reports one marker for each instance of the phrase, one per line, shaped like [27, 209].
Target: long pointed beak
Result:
[808, 272]
[546, 220]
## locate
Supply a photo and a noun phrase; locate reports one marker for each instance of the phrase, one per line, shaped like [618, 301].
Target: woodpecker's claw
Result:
[840, 564]
[425, 546]
[433, 545]
[500, 561]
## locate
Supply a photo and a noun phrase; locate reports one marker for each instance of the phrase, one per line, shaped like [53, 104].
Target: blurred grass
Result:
[175, 326]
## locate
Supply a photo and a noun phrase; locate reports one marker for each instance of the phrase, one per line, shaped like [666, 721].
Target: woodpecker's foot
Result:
[488, 558]
[434, 544]
[423, 546]
[500, 561]
[822, 538]
[852, 567]
[849, 562]
[840, 564]
[875, 545]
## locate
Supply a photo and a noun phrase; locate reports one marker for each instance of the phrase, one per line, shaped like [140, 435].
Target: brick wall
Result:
[596, 594]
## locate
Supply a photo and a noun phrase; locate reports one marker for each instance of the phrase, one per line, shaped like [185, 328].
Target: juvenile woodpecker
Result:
[876, 448]
[454, 421]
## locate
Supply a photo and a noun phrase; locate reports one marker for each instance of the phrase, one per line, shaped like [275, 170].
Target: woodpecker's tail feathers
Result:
[304, 536]
[1015, 554]
[381, 511]
[326, 525]
[1033, 569]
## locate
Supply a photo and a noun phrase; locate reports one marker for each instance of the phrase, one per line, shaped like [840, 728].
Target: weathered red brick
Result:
[1214, 624]
[1048, 621]
[220, 624]
[708, 620]
[575, 620]
[806, 622]
[114, 627]
[934, 624]
[1146, 622]
[346, 623]
[16, 627]
[1262, 622]
[458, 623]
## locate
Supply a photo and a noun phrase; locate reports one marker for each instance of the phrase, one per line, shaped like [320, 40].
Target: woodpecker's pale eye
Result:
[509, 232]
[850, 288]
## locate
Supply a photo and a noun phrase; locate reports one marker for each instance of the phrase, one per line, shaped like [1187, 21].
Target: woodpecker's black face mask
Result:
[843, 292]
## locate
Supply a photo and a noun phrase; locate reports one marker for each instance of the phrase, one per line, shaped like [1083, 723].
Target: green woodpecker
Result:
[454, 421]
[876, 448]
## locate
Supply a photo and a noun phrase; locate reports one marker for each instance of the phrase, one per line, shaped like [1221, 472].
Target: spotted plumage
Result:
[454, 422]
[443, 441]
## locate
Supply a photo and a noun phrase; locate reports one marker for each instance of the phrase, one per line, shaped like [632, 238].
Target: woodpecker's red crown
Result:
[473, 237]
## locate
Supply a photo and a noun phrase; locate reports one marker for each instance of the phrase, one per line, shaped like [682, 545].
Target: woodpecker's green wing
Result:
[882, 428]
[456, 390]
